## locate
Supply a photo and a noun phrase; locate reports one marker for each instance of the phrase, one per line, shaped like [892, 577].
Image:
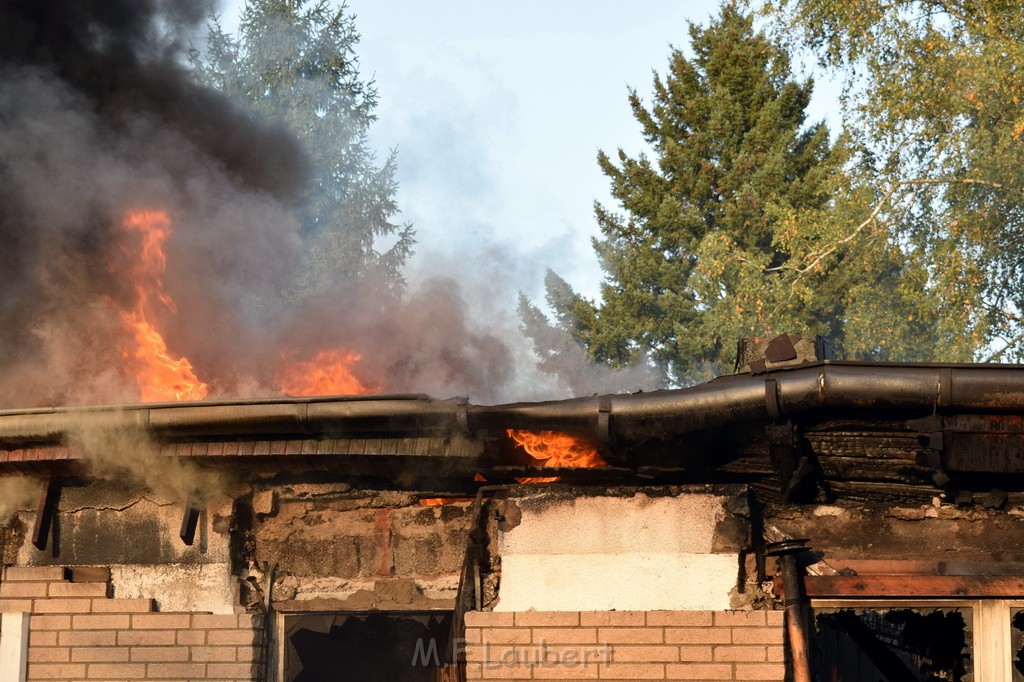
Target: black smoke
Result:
[99, 115]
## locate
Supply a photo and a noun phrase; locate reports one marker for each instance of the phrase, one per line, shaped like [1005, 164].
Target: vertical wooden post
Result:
[13, 646]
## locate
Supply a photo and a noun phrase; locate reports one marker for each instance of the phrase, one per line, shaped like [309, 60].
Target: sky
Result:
[497, 113]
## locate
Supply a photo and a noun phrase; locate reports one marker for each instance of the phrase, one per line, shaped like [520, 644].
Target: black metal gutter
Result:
[772, 395]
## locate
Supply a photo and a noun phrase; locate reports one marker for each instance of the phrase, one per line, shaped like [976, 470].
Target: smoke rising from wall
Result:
[17, 492]
[118, 450]
[98, 117]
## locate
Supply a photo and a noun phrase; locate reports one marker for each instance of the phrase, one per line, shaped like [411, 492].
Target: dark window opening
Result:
[367, 647]
[894, 645]
[1017, 644]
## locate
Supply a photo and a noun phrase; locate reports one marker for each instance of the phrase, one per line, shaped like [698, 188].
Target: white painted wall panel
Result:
[623, 553]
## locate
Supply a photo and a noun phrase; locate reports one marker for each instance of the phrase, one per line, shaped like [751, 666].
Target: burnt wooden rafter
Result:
[911, 586]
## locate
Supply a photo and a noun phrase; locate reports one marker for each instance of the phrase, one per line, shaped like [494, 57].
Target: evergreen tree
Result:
[745, 223]
[295, 62]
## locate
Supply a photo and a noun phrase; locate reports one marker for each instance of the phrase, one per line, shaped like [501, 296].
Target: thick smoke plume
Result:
[16, 493]
[119, 450]
[99, 117]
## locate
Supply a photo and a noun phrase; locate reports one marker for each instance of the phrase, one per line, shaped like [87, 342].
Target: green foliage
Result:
[294, 61]
[744, 223]
[935, 93]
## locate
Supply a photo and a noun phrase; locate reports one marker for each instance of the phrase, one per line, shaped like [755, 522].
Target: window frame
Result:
[990, 623]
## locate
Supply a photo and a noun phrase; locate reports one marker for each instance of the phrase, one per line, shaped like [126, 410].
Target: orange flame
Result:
[441, 501]
[159, 375]
[556, 449]
[330, 372]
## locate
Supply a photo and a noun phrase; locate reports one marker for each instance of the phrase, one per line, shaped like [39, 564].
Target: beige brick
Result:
[37, 638]
[698, 635]
[209, 621]
[249, 653]
[237, 637]
[14, 605]
[632, 671]
[775, 654]
[491, 653]
[697, 653]
[22, 590]
[49, 654]
[565, 635]
[474, 671]
[613, 618]
[569, 671]
[100, 622]
[775, 618]
[50, 622]
[506, 636]
[159, 654]
[117, 671]
[78, 589]
[547, 619]
[145, 638]
[34, 573]
[191, 637]
[175, 671]
[489, 619]
[229, 671]
[760, 671]
[643, 635]
[501, 671]
[680, 618]
[753, 653]
[757, 635]
[652, 654]
[87, 638]
[160, 621]
[56, 671]
[122, 605]
[253, 621]
[100, 654]
[698, 671]
[740, 618]
[62, 606]
[214, 653]
[472, 635]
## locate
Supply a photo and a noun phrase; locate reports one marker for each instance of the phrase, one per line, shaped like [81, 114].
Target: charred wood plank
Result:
[872, 469]
[874, 491]
[45, 512]
[190, 519]
[898, 586]
[927, 567]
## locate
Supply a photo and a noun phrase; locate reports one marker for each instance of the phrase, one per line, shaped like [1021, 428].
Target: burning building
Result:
[804, 518]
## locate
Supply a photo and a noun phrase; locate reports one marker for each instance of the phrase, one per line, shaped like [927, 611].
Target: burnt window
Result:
[1017, 644]
[366, 647]
[894, 645]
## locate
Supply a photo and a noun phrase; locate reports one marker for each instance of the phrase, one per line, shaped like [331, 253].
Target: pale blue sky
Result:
[498, 111]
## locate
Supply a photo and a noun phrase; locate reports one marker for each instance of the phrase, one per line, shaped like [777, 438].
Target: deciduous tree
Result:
[935, 98]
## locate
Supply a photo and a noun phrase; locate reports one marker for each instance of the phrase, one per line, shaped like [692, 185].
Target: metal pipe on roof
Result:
[773, 395]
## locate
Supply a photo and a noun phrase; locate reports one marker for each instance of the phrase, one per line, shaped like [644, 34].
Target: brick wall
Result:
[78, 632]
[635, 645]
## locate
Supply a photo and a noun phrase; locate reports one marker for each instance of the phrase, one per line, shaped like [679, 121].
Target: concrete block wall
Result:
[78, 632]
[619, 645]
